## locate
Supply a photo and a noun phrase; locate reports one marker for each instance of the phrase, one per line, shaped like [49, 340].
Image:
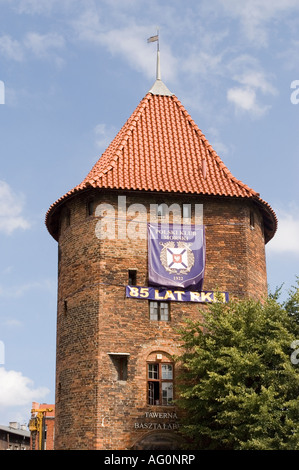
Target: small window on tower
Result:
[122, 368]
[89, 207]
[132, 277]
[120, 362]
[159, 311]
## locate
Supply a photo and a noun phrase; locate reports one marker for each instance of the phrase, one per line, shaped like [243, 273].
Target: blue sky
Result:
[73, 72]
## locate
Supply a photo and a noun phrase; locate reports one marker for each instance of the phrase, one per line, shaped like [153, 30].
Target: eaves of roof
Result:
[161, 149]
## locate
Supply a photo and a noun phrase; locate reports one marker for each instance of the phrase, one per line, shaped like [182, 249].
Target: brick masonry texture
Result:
[94, 409]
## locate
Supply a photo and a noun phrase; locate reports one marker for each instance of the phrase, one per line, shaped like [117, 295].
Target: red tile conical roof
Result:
[161, 149]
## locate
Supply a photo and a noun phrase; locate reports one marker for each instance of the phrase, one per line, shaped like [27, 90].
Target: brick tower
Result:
[116, 324]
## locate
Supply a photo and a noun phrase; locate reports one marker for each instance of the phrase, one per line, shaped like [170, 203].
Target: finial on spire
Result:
[158, 88]
[156, 39]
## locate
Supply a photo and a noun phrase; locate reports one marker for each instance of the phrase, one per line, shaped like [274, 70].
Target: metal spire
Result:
[156, 39]
[158, 88]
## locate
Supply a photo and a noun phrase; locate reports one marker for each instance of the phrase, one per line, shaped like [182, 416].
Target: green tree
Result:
[238, 385]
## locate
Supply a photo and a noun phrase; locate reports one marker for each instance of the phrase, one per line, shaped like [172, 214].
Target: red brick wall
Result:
[94, 410]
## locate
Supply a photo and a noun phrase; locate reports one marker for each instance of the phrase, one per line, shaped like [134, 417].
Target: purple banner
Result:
[176, 256]
[167, 295]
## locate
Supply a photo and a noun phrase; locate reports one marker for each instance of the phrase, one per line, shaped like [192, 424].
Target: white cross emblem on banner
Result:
[177, 258]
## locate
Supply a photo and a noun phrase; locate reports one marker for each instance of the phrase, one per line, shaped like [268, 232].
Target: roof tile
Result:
[160, 148]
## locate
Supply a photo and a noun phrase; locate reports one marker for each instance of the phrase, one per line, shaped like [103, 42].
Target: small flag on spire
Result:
[153, 38]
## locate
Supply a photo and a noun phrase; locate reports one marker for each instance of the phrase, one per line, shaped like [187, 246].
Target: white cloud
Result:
[252, 84]
[203, 63]
[41, 44]
[18, 390]
[11, 207]
[127, 41]
[11, 48]
[245, 99]
[257, 80]
[35, 6]
[130, 42]
[45, 7]
[287, 235]
[256, 15]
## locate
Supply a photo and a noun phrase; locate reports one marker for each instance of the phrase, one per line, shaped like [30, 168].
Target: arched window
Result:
[160, 377]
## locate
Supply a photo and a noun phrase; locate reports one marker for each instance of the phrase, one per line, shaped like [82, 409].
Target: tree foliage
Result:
[238, 385]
